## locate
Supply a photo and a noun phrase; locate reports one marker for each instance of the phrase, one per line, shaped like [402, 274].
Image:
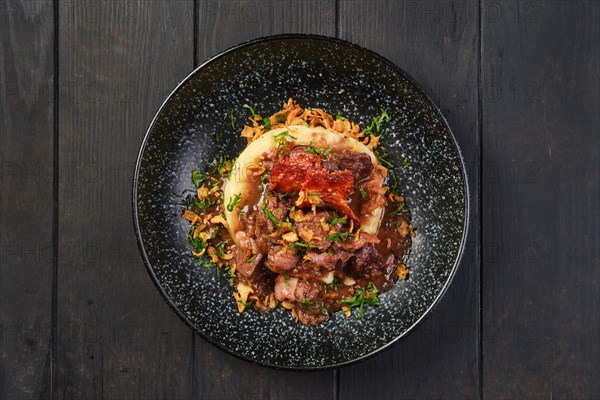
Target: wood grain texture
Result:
[437, 44]
[538, 98]
[222, 24]
[226, 23]
[117, 338]
[540, 199]
[26, 198]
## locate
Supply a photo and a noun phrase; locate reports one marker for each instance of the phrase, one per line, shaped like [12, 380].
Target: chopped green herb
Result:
[219, 134]
[286, 195]
[318, 150]
[308, 304]
[363, 194]
[282, 137]
[280, 118]
[286, 279]
[254, 114]
[199, 205]
[221, 247]
[197, 243]
[383, 159]
[266, 121]
[198, 179]
[365, 295]
[233, 201]
[336, 237]
[394, 179]
[374, 127]
[334, 284]
[405, 163]
[263, 181]
[230, 275]
[334, 221]
[231, 118]
[271, 216]
[338, 115]
[245, 303]
[397, 210]
[250, 259]
[302, 244]
[222, 164]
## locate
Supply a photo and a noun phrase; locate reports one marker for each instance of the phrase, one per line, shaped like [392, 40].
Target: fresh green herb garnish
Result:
[226, 121]
[266, 121]
[397, 210]
[394, 179]
[233, 201]
[383, 159]
[221, 247]
[338, 115]
[198, 179]
[198, 205]
[336, 237]
[281, 137]
[286, 195]
[250, 259]
[271, 216]
[365, 295]
[334, 221]
[318, 150]
[219, 134]
[334, 284]
[197, 243]
[230, 275]
[286, 279]
[280, 118]
[363, 194]
[263, 181]
[254, 114]
[308, 304]
[405, 163]
[245, 303]
[302, 244]
[375, 127]
[231, 118]
[205, 263]
[222, 164]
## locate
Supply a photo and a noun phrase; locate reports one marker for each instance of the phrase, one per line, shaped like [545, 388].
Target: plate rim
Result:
[301, 36]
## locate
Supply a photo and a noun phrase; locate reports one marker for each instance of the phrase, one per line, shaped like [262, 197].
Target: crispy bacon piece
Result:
[303, 174]
[330, 188]
[289, 175]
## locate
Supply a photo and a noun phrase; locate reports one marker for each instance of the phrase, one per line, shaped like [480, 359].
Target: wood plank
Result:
[26, 198]
[437, 44]
[117, 338]
[226, 23]
[222, 24]
[540, 199]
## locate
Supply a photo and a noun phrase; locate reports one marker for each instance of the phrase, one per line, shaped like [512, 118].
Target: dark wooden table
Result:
[79, 83]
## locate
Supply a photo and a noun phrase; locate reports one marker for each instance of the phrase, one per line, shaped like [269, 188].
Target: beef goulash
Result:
[307, 216]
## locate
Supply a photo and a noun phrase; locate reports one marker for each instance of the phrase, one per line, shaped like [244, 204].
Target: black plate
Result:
[318, 72]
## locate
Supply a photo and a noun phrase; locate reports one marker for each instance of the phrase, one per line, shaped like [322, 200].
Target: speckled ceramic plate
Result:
[318, 72]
